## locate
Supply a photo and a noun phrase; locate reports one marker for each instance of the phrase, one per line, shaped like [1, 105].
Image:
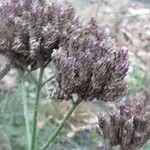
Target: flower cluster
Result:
[125, 125]
[30, 30]
[87, 64]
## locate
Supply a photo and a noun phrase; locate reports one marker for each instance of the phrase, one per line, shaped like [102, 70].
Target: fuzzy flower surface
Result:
[126, 126]
[87, 64]
[30, 30]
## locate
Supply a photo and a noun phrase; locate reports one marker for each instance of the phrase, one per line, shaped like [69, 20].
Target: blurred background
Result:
[129, 23]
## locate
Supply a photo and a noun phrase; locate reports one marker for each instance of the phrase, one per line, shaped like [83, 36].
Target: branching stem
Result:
[61, 125]
[36, 105]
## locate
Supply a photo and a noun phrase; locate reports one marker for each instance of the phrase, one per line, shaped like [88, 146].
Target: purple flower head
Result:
[95, 44]
[100, 69]
[70, 12]
[66, 64]
[122, 54]
[31, 30]
[6, 9]
[18, 8]
[125, 126]
[27, 4]
[55, 9]
[37, 11]
[15, 1]
[85, 57]
[121, 68]
[103, 62]
[96, 74]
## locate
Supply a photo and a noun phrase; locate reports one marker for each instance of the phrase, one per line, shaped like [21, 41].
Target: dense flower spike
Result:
[30, 30]
[126, 125]
[96, 70]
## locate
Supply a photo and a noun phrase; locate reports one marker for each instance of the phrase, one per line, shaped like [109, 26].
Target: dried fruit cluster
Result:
[30, 30]
[87, 64]
[126, 126]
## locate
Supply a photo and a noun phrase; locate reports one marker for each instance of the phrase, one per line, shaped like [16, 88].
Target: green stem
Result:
[49, 79]
[26, 69]
[31, 76]
[25, 109]
[36, 105]
[61, 125]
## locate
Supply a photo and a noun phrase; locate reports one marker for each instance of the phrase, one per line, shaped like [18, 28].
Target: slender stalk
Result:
[61, 125]
[5, 103]
[31, 76]
[27, 70]
[25, 109]
[36, 105]
[49, 79]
